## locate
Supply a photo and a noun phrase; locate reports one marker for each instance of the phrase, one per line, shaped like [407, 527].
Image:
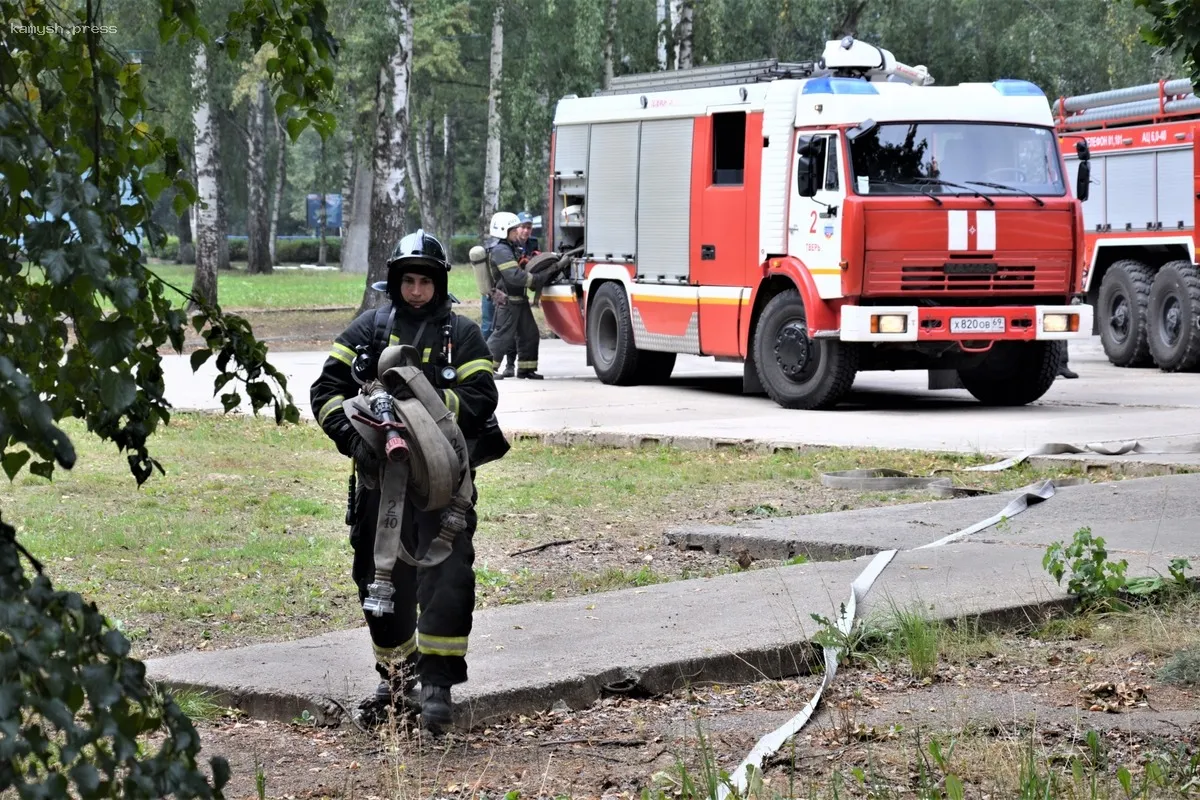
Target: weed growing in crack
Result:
[1100, 583]
[916, 638]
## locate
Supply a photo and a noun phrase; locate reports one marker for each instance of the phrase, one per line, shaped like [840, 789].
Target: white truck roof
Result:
[840, 101]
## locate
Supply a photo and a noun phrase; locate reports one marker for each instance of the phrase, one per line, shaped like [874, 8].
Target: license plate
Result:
[977, 324]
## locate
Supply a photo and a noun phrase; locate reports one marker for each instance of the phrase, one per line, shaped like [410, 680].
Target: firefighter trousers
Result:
[515, 322]
[433, 644]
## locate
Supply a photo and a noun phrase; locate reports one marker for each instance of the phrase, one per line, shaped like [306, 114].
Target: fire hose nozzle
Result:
[395, 448]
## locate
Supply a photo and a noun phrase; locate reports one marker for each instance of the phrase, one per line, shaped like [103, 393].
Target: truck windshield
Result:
[928, 157]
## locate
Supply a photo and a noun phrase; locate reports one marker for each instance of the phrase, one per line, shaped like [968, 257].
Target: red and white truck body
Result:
[1140, 218]
[816, 226]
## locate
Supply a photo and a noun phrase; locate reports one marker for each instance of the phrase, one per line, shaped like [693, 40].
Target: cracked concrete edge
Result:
[775, 662]
[759, 546]
[567, 437]
[578, 692]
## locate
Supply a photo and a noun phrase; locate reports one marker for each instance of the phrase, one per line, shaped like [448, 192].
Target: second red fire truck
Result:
[1139, 220]
[815, 219]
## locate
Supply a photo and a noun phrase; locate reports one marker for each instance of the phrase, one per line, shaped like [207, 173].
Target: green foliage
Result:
[853, 646]
[81, 324]
[1093, 578]
[1175, 26]
[1098, 582]
[73, 704]
[917, 638]
[82, 171]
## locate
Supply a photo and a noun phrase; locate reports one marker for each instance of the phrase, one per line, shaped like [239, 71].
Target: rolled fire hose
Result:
[546, 262]
[423, 458]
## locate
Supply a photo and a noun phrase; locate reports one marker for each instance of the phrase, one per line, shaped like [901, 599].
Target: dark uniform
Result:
[514, 319]
[432, 646]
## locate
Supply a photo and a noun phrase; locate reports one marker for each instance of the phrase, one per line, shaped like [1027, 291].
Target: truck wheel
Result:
[796, 371]
[610, 336]
[1121, 310]
[1014, 373]
[1173, 317]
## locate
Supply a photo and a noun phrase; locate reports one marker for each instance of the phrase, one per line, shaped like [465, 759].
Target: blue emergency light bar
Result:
[831, 85]
[1012, 87]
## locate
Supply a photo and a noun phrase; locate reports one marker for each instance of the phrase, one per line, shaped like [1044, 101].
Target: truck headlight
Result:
[889, 323]
[1060, 323]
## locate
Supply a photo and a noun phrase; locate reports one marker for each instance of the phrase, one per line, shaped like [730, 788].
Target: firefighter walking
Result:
[431, 647]
[514, 317]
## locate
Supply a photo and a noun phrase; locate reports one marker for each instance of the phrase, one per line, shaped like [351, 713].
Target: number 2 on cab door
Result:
[813, 228]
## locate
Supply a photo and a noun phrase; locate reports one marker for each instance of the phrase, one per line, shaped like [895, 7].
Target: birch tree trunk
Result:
[419, 173]
[357, 240]
[347, 189]
[258, 227]
[391, 149]
[446, 216]
[277, 190]
[683, 38]
[610, 35]
[660, 9]
[491, 169]
[208, 235]
[674, 14]
[219, 173]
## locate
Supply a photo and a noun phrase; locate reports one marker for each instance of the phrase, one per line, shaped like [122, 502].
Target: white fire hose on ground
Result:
[422, 457]
[890, 480]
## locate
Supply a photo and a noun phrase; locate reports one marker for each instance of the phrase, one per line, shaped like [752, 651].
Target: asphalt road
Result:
[885, 409]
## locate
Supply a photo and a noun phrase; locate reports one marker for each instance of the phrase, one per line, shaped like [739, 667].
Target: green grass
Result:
[199, 705]
[296, 288]
[916, 638]
[244, 539]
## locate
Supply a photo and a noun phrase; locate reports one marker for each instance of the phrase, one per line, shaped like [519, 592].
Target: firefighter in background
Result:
[514, 317]
[431, 647]
[529, 245]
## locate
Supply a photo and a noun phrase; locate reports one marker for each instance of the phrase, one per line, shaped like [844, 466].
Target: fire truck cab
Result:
[815, 219]
[1139, 218]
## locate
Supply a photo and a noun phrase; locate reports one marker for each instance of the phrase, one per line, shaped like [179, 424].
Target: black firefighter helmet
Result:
[421, 253]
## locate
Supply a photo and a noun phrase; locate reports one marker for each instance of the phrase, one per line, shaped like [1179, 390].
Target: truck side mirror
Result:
[1083, 179]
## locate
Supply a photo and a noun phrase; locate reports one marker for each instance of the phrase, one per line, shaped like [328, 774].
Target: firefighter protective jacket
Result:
[471, 394]
[513, 278]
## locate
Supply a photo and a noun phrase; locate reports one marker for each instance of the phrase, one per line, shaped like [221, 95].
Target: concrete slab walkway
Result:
[525, 658]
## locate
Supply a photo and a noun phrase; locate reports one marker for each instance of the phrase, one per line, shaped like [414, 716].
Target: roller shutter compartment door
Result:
[1131, 190]
[611, 205]
[664, 201]
[570, 150]
[1175, 181]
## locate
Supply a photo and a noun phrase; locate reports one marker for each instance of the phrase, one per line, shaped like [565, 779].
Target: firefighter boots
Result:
[529, 375]
[436, 711]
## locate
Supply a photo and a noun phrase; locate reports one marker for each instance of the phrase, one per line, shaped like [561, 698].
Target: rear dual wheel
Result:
[615, 358]
[1173, 317]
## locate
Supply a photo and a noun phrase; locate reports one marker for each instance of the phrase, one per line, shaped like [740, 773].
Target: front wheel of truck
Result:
[796, 371]
[1014, 373]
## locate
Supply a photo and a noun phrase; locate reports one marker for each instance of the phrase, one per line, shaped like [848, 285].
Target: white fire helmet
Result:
[502, 223]
[572, 215]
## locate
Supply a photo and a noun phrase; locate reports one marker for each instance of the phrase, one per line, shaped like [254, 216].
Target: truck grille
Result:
[894, 279]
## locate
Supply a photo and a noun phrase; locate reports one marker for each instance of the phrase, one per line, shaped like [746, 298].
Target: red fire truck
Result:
[815, 219]
[1140, 219]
